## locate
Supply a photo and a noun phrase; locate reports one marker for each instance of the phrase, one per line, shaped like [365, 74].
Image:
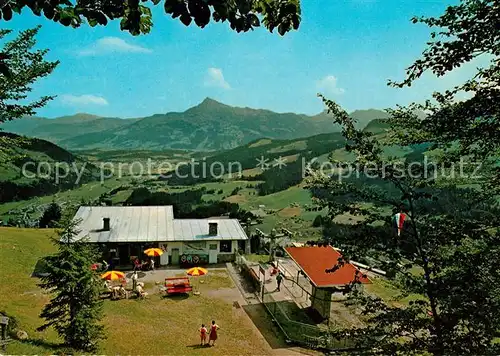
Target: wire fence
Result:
[312, 336]
[287, 313]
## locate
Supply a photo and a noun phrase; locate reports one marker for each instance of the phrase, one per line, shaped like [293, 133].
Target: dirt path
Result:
[256, 314]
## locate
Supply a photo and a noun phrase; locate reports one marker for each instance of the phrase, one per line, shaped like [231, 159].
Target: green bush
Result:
[318, 221]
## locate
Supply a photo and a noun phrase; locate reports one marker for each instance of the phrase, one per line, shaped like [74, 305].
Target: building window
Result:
[194, 247]
[225, 246]
[213, 246]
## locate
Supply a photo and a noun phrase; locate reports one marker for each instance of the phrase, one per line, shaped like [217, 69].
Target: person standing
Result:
[279, 278]
[213, 333]
[203, 334]
[152, 264]
[134, 280]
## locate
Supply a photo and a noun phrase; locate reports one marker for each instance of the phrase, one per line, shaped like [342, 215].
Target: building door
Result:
[212, 253]
[164, 257]
[175, 256]
[124, 254]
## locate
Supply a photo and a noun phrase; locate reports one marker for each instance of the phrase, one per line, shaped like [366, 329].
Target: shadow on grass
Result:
[47, 345]
[198, 346]
[263, 321]
[176, 297]
[40, 269]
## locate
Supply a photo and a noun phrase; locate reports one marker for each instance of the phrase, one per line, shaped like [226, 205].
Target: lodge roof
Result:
[150, 224]
[315, 260]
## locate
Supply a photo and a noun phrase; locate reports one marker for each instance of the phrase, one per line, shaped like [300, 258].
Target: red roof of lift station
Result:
[314, 260]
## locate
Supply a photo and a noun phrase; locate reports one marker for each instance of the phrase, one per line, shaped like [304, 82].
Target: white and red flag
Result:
[399, 221]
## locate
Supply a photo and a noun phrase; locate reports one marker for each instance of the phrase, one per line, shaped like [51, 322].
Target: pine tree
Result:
[75, 308]
[51, 216]
[318, 221]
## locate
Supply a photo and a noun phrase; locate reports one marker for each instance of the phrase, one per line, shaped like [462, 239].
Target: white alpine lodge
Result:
[125, 232]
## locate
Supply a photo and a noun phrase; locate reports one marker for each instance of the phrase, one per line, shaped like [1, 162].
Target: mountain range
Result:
[208, 126]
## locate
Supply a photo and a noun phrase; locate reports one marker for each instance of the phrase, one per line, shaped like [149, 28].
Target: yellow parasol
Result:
[152, 252]
[113, 275]
[197, 271]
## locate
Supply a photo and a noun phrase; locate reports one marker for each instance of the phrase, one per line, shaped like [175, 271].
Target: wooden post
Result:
[4, 322]
[262, 272]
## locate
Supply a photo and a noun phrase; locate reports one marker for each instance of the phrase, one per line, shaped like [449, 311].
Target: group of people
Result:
[144, 265]
[116, 292]
[212, 334]
[138, 287]
[119, 291]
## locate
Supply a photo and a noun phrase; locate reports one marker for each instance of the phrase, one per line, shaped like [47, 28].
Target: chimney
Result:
[212, 228]
[105, 224]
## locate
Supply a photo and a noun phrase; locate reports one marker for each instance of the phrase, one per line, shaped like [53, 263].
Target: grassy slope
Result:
[20, 249]
[154, 326]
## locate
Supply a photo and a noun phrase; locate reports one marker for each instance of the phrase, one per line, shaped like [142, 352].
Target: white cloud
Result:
[328, 85]
[215, 78]
[80, 100]
[108, 45]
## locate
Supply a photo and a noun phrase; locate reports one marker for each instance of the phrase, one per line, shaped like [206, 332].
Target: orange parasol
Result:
[197, 271]
[152, 252]
[113, 275]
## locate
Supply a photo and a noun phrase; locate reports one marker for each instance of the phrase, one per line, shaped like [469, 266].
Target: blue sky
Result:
[346, 49]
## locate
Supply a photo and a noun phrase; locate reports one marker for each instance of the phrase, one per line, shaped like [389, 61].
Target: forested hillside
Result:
[32, 167]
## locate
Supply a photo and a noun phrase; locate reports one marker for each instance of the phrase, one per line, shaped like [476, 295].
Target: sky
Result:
[346, 50]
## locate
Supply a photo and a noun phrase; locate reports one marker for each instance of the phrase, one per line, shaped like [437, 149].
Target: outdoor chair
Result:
[115, 293]
[107, 289]
[141, 294]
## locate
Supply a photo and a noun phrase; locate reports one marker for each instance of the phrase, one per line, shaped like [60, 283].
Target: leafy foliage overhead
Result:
[136, 17]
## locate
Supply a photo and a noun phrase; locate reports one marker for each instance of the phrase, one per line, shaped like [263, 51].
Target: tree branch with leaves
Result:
[21, 66]
[451, 236]
[136, 17]
[464, 121]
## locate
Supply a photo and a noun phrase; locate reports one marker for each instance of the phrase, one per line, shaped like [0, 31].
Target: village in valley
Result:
[251, 177]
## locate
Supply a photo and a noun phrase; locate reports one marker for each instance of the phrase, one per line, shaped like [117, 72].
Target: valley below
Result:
[212, 159]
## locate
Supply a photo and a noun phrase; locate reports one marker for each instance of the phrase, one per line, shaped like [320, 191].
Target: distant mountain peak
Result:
[79, 116]
[209, 100]
[84, 114]
[209, 103]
